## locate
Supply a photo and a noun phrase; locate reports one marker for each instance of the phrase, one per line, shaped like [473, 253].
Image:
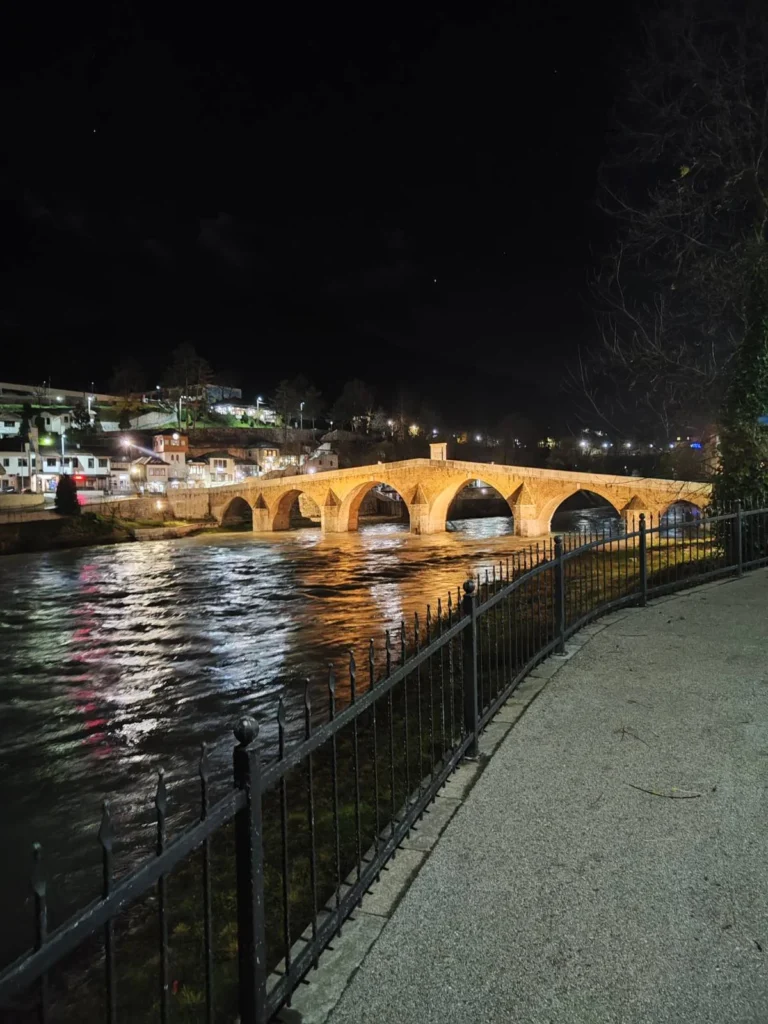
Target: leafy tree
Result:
[26, 420]
[743, 471]
[313, 404]
[686, 186]
[188, 371]
[380, 422]
[40, 423]
[128, 378]
[124, 422]
[515, 433]
[66, 503]
[187, 377]
[354, 405]
[81, 421]
[286, 403]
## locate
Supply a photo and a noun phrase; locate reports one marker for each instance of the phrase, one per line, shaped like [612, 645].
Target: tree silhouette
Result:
[354, 405]
[66, 496]
[686, 185]
[128, 378]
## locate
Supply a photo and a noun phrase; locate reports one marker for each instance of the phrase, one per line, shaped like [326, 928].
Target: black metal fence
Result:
[269, 874]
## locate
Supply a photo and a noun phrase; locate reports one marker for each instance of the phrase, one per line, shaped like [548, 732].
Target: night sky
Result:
[402, 194]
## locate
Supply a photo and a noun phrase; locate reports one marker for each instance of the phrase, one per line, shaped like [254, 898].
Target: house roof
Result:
[246, 462]
[149, 460]
[216, 455]
[258, 445]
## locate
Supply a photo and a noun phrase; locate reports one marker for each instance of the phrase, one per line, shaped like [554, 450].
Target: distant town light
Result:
[627, 444]
[59, 398]
[158, 505]
[175, 437]
[478, 437]
[671, 445]
[583, 444]
[434, 431]
[605, 444]
[650, 446]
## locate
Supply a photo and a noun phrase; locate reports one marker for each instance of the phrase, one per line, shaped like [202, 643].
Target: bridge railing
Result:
[232, 914]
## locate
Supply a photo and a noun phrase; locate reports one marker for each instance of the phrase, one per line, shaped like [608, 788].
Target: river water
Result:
[116, 660]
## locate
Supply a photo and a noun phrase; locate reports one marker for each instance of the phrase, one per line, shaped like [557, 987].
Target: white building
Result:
[23, 469]
[321, 460]
[90, 471]
[10, 422]
[173, 447]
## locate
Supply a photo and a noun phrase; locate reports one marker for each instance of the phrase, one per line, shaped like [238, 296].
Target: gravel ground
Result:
[611, 863]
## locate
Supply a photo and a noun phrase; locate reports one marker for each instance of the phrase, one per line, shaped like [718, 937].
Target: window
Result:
[219, 464]
[51, 462]
[6, 462]
[66, 461]
[47, 421]
[9, 423]
[23, 463]
[65, 418]
[91, 463]
[102, 463]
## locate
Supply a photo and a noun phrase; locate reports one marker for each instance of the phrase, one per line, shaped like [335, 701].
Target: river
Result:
[116, 660]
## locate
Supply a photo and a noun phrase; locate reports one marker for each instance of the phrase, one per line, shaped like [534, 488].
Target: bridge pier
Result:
[530, 526]
[632, 511]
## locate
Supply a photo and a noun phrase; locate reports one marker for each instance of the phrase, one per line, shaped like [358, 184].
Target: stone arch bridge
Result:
[428, 486]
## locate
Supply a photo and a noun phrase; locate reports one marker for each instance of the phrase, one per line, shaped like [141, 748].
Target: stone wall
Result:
[309, 509]
[13, 502]
[187, 504]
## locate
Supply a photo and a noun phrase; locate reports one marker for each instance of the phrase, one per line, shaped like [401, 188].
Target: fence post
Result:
[643, 563]
[249, 865]
[737, 529]
[559, 596]
[469, 649]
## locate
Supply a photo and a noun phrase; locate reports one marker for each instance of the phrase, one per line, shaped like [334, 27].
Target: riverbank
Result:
[629, 799]
[55, 533]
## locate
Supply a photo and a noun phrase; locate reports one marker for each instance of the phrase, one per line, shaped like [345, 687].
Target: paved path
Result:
[560, 893]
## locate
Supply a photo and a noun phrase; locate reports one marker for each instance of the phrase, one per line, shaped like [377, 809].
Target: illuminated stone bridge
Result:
[429, 486]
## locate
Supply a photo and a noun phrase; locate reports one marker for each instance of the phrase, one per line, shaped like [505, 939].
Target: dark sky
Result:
[398, 193]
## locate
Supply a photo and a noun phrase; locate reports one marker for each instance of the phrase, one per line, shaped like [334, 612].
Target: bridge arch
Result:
[238, 510]
[349, 512]
[550, 507]
[680, 512]
[280, 513]
[438, 513]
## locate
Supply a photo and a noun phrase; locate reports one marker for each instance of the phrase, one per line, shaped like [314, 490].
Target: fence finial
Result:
[470, 587]
[246, 730]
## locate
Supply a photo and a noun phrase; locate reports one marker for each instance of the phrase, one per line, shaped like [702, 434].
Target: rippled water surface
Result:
[115, 660]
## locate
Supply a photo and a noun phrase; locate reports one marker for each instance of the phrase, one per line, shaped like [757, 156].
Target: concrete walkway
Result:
[611, 862]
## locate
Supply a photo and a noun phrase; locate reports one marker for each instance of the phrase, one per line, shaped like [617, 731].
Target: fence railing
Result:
[270, 873]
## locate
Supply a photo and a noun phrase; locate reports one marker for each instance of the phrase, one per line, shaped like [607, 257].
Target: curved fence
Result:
[232, 915]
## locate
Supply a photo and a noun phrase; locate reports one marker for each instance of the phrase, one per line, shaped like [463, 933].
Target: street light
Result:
[259, 400]
[301, 415]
